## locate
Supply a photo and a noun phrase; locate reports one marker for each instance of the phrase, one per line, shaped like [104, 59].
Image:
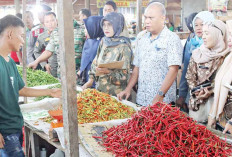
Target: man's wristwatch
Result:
[230, 122]
[161, 93]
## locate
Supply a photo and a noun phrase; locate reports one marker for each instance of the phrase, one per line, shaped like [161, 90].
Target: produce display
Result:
[37, 77]
[161, 130]
[94, 106]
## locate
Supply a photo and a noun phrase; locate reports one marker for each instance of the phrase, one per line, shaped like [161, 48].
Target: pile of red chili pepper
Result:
[95, 106]
[163, 131]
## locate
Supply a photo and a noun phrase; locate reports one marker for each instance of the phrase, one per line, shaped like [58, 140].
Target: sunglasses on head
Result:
[213, 25]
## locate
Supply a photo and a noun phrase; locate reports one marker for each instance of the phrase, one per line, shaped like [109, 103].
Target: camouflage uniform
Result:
[79, 38]
[116, 81]
[40, 45]
[35, 31]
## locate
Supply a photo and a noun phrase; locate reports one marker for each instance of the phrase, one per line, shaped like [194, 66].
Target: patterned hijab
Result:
[117, 21]
[219, 33]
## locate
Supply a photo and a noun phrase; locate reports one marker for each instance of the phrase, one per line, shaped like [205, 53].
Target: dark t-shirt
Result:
[11, 119]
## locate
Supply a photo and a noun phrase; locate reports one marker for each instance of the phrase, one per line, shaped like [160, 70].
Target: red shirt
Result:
[14, 56]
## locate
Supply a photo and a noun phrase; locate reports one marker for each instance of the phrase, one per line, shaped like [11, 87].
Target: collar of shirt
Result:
[161, 34]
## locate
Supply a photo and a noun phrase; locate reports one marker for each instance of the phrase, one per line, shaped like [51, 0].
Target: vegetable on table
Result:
[161, 130]
[94, 106]
[37, 77]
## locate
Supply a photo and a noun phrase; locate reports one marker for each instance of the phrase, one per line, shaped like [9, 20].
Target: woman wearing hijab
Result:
[113, 47]
[203, 66]
[195, 23]
[218, 111]
[94, 34]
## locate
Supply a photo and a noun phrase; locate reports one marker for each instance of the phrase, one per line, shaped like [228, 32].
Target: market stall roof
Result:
[11, 2]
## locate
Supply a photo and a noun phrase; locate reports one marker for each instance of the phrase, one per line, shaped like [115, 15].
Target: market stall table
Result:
[36, 128]
[35, 134]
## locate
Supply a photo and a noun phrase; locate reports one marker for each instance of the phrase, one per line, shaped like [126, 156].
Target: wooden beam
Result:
[68, 77]
[87, 4]
[24, 52]
[139, 16]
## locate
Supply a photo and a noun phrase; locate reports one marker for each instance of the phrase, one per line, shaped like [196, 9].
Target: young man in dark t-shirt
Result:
[12, 86]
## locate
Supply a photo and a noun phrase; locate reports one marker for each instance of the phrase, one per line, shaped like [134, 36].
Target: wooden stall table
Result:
[33, 140]
[36, 139]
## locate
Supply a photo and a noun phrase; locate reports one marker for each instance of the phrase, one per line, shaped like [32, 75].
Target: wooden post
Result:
[24, 52]
[87, 4]
[139, 16]
[68, 77]
[17, 6]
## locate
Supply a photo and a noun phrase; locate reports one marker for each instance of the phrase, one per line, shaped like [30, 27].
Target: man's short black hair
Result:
[10, 21]
[19, 15]
[112, 3]
[86, 12]
[50, 13]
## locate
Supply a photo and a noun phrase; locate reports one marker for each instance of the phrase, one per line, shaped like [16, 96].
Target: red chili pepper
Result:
[162, 130]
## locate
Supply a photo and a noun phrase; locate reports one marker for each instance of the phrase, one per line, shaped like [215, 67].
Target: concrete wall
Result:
[190, 6]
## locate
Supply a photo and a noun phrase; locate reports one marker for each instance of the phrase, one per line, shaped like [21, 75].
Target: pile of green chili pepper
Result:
[95, 106]
[161, 130]
[37, 77]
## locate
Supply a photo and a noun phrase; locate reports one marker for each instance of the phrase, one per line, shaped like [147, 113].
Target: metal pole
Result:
[68, 75]
[17, 6]
[139, 16]
[24, 52]
[87, 4]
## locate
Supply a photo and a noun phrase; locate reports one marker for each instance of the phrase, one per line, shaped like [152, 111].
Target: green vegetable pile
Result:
[37, 77]
[43, 97]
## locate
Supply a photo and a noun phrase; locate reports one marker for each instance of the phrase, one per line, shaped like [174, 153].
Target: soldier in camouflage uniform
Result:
[53, 47]
[112, 48]
[35, 31]
[79, 39]
[43, 39]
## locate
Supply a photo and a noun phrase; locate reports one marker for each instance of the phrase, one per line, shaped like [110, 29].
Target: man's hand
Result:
[211, 122]
[180, 102]
[56, 93]
[2, 142]
[228, 127]
[125, 93]
[79, 73]
[85, 86]
[33, 65]
[103, 70]
[48, 68]
[88, 84]
[158, 98]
